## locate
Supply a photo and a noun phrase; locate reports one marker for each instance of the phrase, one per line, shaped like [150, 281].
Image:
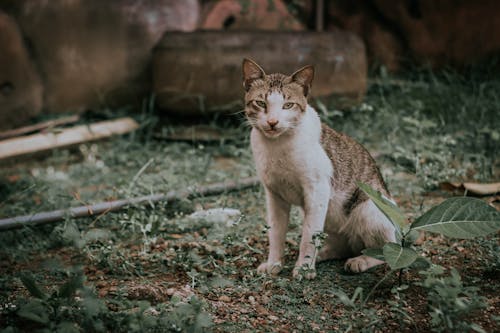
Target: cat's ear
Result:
[251, 72]
[304, 77]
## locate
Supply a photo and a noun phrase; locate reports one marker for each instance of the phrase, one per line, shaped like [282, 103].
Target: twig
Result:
[109, 206]
[38, 127]
[139, 173]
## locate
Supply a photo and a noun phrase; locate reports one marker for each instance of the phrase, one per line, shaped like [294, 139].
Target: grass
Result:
[146, 267]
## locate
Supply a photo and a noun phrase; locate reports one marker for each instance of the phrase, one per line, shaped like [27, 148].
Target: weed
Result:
[398, 307]
[450, 303]
[361, 318]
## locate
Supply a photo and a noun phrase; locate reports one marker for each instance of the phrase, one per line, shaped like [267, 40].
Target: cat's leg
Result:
[278, 213]
[370, 229]
[315, 209]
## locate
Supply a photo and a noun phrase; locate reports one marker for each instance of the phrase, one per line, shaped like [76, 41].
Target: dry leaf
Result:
[472, 188]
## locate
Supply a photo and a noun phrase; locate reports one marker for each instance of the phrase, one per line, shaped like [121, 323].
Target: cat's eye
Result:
[288, 105]
[261, 104]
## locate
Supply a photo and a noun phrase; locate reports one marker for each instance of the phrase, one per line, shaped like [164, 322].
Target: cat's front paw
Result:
[304, 271]
[271, 268]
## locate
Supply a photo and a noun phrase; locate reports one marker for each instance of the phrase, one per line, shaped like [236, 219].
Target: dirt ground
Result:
[155, 267]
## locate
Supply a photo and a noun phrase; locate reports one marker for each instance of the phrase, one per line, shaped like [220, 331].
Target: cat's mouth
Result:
[273, 132]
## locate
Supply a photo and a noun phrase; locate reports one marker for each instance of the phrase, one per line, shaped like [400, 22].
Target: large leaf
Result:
[387, 207]
[460, 217]
[374, 253]
[399, 257]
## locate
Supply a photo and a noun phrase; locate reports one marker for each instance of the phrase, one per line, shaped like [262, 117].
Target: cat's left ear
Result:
[304, 77]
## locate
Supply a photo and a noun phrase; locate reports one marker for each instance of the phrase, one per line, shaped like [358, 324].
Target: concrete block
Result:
[201, 71]
[21, 92]
[94, 53]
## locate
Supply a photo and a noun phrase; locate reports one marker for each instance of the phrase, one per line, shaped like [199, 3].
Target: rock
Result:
[225, 217]
[250, 15]
[224, 299]
[201, 72]
[21, 92]
[446, 31]
[98, 53]
[438, 33]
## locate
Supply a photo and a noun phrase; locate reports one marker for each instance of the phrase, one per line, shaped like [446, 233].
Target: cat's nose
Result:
[272, 122]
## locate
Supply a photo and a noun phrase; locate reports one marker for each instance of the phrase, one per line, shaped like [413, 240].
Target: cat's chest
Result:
[292, 168]
[282, 174]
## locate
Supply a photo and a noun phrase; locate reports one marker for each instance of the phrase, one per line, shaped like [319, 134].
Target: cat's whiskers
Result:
[242, 111]
[250, 122]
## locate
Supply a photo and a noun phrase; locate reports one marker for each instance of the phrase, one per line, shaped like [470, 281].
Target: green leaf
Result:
[67, 327]
[374, 253]
[35, 311]
[476, 328]
[460, 217]
[220, 282]
[399, 257]
[71, 286]
[349, 301]
[421, 263]
[32, 287]
[95, 235]
[202, 322]
[387, 207]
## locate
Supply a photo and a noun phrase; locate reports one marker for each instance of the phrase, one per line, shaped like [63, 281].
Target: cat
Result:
[302, 162]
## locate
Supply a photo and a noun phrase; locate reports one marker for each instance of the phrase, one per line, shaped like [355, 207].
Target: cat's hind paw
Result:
[361, 263]
[271, 268]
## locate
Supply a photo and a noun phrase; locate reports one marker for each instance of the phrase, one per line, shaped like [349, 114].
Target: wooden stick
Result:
[38, 127]
[110, 206]
[67, 137]
[320, 12]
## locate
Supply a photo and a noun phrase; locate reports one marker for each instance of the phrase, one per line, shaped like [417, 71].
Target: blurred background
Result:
[72, 56]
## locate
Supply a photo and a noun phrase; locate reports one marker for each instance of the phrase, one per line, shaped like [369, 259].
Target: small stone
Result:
[273, 318]
[224, 299]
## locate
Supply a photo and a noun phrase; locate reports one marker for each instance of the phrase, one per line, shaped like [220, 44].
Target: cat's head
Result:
[275, 103]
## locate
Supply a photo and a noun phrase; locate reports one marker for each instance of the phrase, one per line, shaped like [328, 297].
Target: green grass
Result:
[143, 267]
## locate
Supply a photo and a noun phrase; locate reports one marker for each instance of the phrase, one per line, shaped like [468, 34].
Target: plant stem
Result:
[376, 286]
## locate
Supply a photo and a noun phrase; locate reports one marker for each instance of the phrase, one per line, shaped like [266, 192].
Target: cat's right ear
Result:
[251, 72]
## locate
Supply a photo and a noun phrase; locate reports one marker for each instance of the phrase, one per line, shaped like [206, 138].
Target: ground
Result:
[152, 268]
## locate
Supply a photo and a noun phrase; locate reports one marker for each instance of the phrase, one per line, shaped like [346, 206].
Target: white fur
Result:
[295, 170]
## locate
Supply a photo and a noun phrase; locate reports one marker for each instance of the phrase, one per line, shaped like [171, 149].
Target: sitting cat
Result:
[305, 163]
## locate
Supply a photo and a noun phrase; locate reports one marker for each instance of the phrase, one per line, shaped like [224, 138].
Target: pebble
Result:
[224, 299]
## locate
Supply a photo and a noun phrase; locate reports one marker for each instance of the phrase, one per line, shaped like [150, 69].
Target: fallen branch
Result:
[38, 127]
[110, 206]
[67, 137]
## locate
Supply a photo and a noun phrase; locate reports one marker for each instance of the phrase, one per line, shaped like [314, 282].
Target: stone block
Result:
[21, 92]
[94, 54]
[201, 71]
